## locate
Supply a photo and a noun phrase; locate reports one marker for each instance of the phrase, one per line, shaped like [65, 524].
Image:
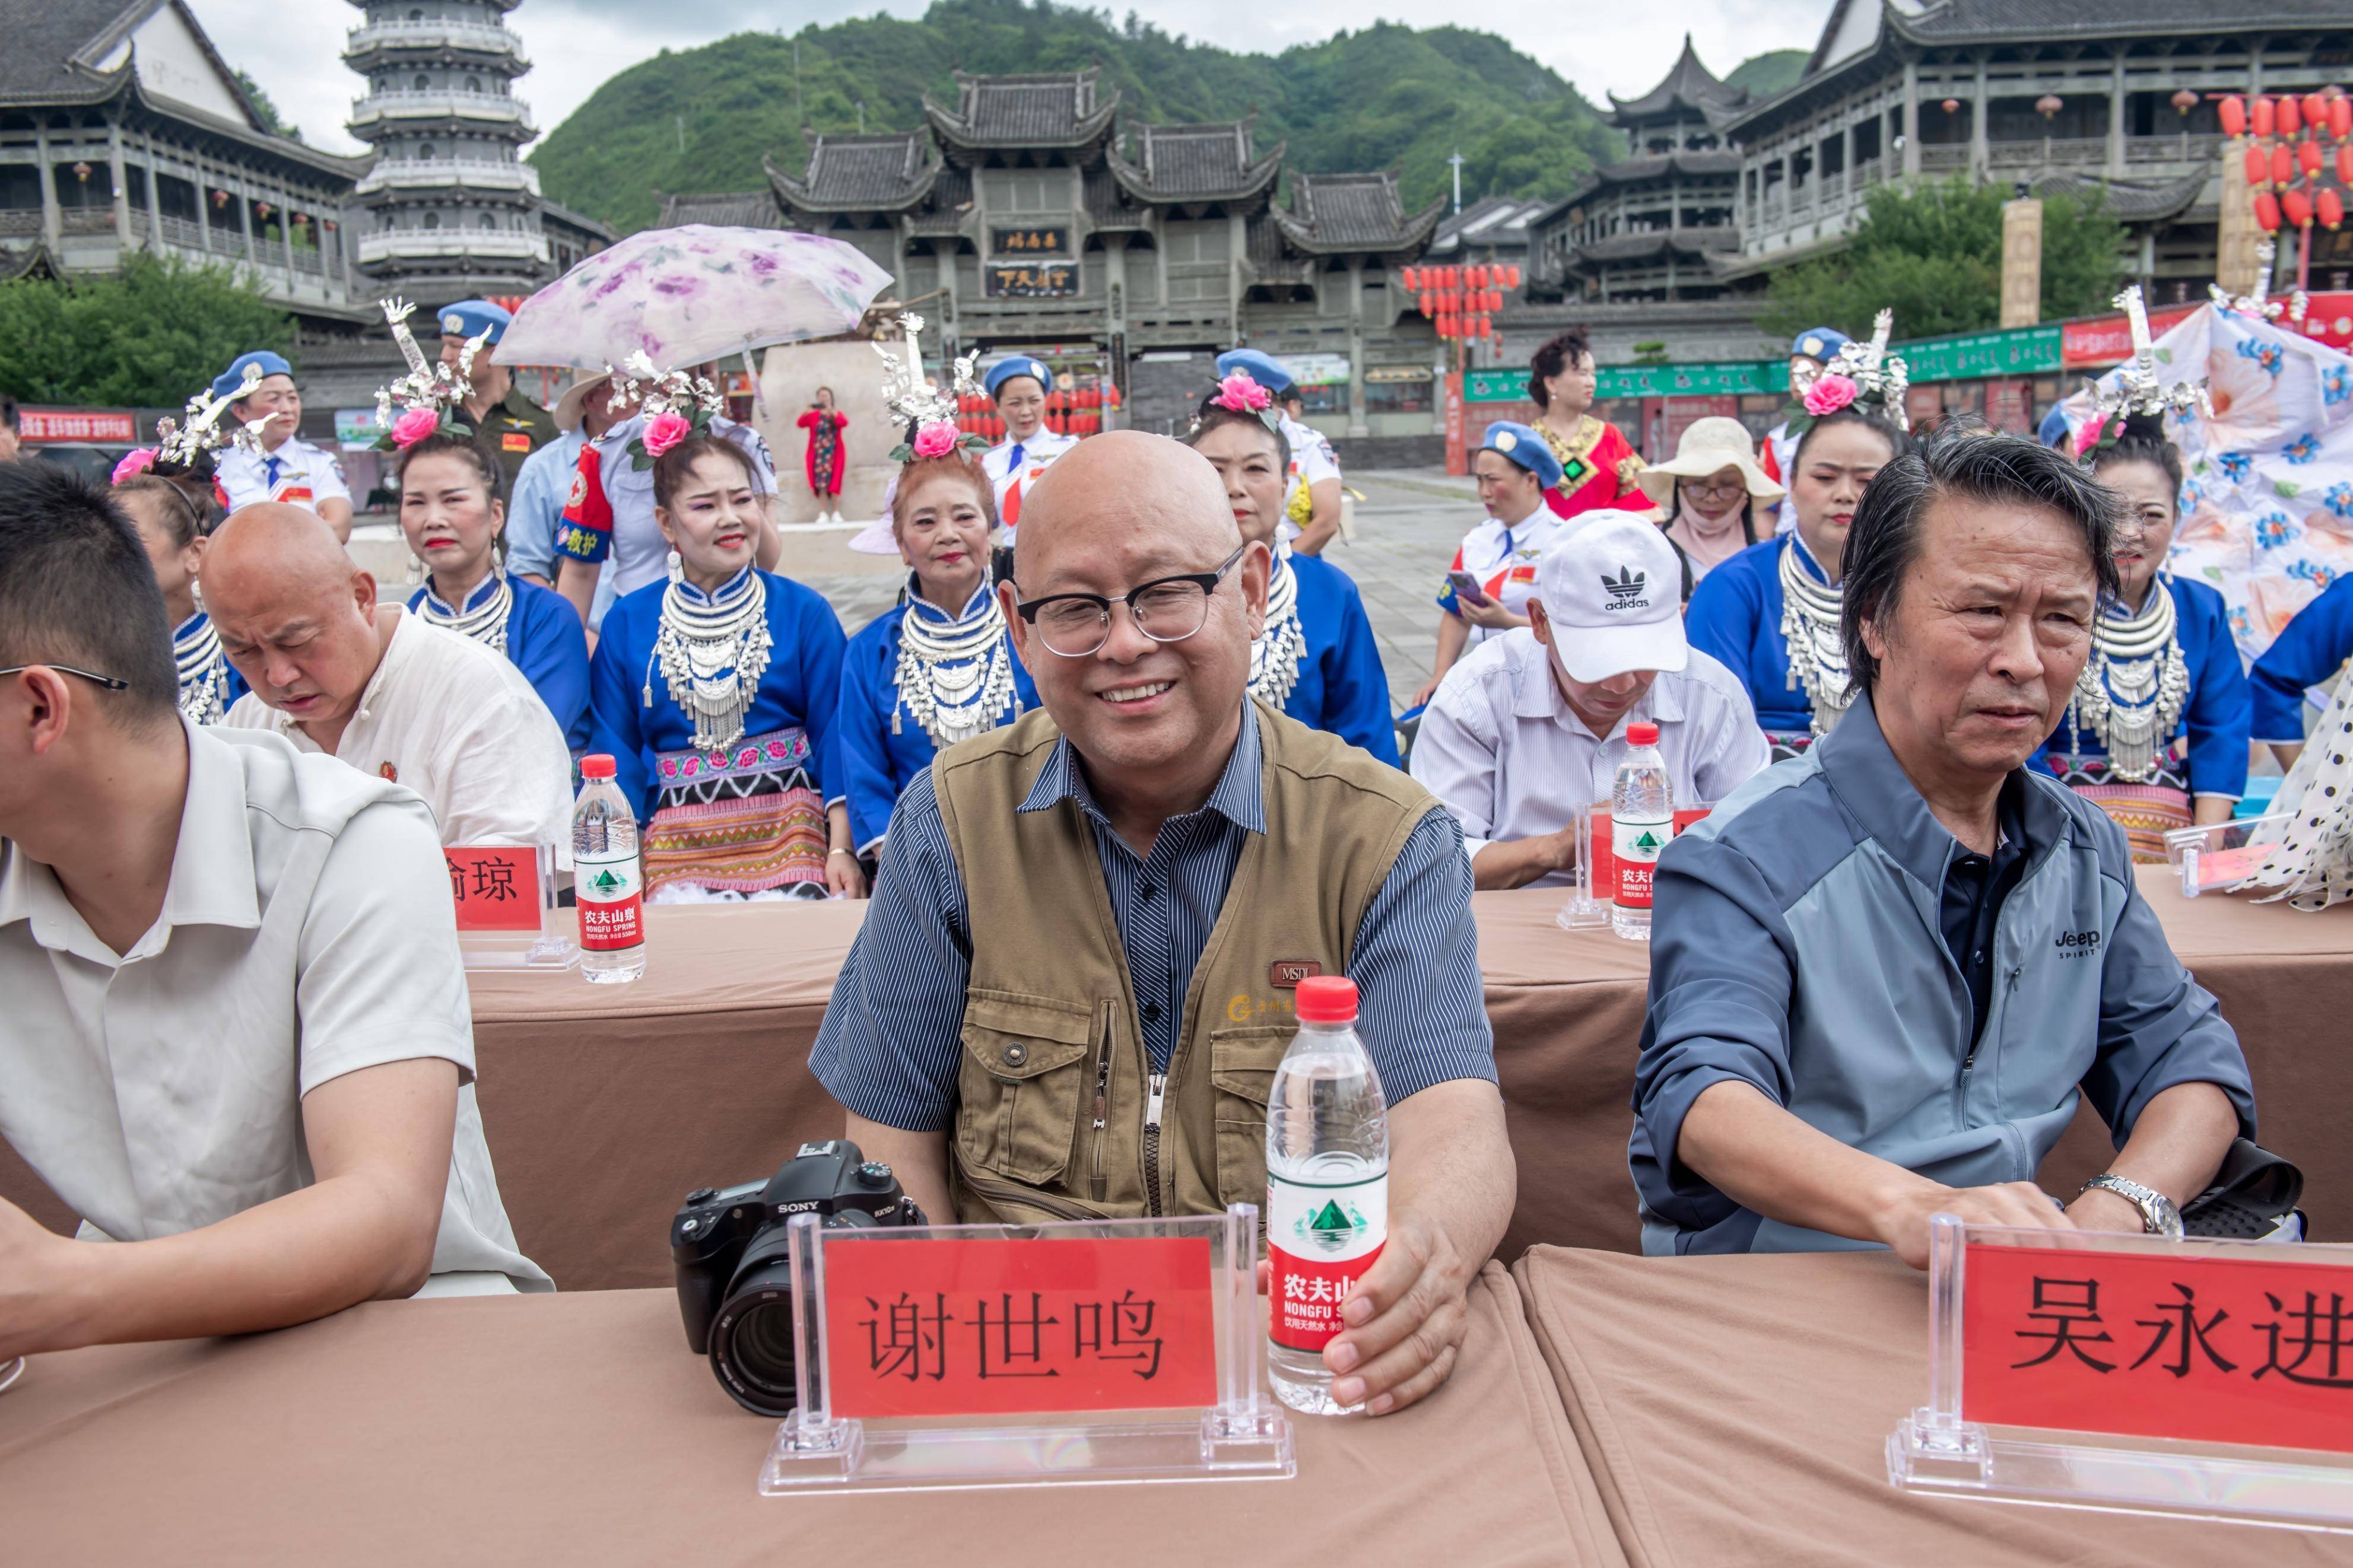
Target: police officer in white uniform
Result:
[278, 465]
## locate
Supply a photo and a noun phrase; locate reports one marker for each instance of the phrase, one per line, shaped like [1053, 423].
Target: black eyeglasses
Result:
[106, 680]
[1166, 609]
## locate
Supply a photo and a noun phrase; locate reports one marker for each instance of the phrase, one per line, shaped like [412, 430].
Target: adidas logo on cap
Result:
[1626, 590]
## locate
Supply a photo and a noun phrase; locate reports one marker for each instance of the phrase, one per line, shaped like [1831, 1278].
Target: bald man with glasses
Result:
[1076, 981]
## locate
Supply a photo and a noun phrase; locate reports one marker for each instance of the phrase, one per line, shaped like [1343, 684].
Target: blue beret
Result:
[1004, 369]
[2054, 430]
[1524, 446]
[1262, 368]
[468, 317]
[234, 377]
[1819, 343]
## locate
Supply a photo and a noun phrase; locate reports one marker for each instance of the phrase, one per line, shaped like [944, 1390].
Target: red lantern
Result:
[1951, 106]
[2344, 163]
[2283, 165]
[1512, 275]
[2308, 158]
[1478, 278]
[1429, 303]
[2184, 101]
[2261, 115]
[1405, 276]
[2315, 111]
[2232, 112]
[2288, 116]
[2267, 212]
[2340, 117]
[1494, 299]
[2259, 167]
[1454, 278]
[2329, 207]
[220, 198]
[2049, 105]
[2296, 207]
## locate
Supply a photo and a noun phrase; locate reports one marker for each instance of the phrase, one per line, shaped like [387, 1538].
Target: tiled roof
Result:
[2039, 19]
[1108, 203]
[2129, 201]
[887, 170]
[1658, 166]
[1653, 242]
[1489, 221]
[1690, 85]
[1196, 161]
[1049, 111]
[1339, 212]
[946, 206]
[727, 209]
[1270, 261]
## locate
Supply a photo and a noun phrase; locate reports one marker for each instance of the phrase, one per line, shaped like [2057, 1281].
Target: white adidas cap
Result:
[1613, 590]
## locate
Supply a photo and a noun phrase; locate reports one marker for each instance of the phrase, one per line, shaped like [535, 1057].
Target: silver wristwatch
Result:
[2158, 1216]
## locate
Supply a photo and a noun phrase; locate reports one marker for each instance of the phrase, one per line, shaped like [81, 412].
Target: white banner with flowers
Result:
[2267, 499]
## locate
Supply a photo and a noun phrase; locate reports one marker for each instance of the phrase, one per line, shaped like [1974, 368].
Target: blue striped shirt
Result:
[890, 1045]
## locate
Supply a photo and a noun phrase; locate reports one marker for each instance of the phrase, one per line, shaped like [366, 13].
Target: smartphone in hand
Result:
[1466, 586]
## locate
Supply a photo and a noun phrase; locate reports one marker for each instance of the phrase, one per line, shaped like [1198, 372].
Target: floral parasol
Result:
[688, 295]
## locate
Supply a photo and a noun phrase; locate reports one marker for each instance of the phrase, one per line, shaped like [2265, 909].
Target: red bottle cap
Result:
[597, 765]
[1639, 735]
[1327, 999]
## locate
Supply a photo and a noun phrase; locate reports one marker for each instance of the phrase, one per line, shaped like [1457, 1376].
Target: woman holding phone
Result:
[1495, 571]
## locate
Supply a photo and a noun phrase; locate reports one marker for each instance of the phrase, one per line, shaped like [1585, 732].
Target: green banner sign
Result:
[2022, 350]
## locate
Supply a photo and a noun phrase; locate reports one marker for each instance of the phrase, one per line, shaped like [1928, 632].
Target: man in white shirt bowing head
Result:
[236, 1038]
[396, 697]
[1531, 726]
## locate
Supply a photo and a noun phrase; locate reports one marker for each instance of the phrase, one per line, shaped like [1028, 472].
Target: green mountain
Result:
[1776, 71]
[1386, 96]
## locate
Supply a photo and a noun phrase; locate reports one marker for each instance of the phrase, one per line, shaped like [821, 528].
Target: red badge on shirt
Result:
[514, 441]
[588, 508]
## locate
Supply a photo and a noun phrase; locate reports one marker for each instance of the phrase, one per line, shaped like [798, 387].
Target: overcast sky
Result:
[295, 51]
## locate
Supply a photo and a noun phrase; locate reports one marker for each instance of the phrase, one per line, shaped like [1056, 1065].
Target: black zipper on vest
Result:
[1151, 1107]
[1103, 1106]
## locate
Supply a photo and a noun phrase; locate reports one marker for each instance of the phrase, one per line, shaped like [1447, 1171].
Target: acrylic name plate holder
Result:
[2222, 853]
[507, 913]
[985, 1356]
[1596, 874]
[2207, 1380]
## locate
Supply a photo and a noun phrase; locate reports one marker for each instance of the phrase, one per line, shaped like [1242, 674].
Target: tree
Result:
[265, 109]
[1933, 255]
[148, 336]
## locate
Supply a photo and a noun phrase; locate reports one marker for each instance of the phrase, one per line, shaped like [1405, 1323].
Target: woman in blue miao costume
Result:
[452, 518]
[170, 524]
[1316, 660]
[714, 692]
[940, 667]
[2155, 732]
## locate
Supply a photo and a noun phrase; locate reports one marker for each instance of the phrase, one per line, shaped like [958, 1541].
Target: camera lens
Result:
[753, 1348]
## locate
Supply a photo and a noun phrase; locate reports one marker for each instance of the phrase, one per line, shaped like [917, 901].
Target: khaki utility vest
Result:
[1057, 1115]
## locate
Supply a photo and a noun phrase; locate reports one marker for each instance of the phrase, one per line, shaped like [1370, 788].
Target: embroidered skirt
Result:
[745, 819]
[2147, 812]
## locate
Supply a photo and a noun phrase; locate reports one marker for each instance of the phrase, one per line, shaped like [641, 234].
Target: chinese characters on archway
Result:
[2220, 1348]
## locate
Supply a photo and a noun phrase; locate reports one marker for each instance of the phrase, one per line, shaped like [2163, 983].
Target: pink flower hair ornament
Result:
[925, 408]
[1829, 392]
[415, 426]
[664, 431]
[137, 460]
[936, 439]
[1238, 394]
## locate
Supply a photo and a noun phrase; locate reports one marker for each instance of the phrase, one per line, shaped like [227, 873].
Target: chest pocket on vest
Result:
[1242, 1060]
[1027, 1072]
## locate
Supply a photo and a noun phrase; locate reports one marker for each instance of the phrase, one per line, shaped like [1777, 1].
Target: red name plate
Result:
[495, 890]
[2218, 1350]
[995, 1328]
[1604, 857]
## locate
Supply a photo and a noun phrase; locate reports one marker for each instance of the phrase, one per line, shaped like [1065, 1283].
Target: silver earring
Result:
[677, 567]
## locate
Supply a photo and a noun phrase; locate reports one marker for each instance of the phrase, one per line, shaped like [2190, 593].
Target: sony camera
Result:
[728, 1247]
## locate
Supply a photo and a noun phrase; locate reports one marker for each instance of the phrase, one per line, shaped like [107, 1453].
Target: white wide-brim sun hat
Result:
[1707, 445]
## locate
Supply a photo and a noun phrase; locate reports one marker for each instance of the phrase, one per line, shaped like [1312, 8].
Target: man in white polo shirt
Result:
[1530, 727]
[236, 1038]
[396, 697]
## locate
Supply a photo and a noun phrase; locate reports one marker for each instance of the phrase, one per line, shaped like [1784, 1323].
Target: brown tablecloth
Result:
[605, 1105]
[1734, 1412]
[576, 1429]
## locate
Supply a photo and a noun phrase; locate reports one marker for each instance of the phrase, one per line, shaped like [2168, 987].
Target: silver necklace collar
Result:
[954, 677]
[2132, 688]
[1810, 614]
[485, 622]
[202, 668]
[1275, 652]
[713, 650]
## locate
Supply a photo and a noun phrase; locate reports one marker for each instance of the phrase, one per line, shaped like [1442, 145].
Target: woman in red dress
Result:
[827, 458]
[1597, 467]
